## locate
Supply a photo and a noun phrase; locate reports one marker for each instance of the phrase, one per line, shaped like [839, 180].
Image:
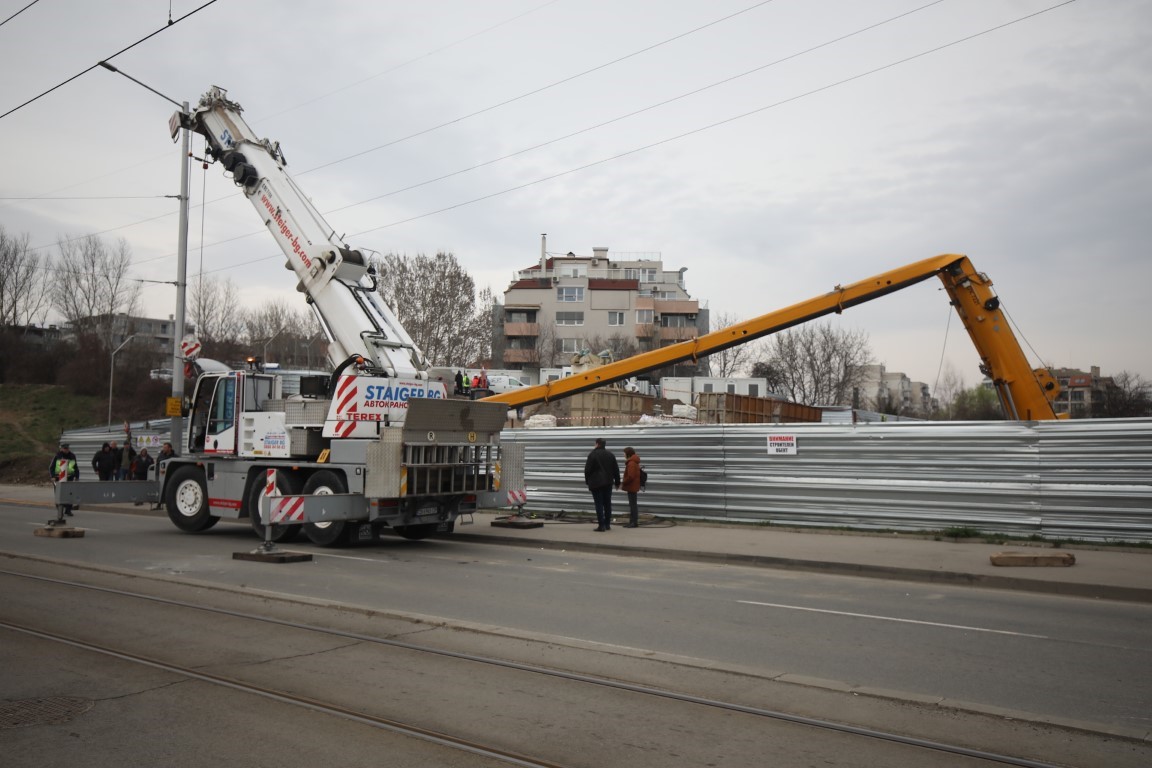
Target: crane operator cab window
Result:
[214, 416]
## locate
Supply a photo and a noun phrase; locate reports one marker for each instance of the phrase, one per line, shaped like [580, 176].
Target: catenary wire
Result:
[2, 23]
[107, 58]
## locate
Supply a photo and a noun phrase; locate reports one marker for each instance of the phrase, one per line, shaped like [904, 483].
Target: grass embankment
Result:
[32, 416]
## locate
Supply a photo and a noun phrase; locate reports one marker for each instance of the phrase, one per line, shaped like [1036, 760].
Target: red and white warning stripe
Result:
[270, 488]
[517, 498]
[288, 509]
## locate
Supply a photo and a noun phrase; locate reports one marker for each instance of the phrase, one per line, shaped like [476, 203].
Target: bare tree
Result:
[815, 364]
[1128, 394]
[90, 284]
[734, 361]
[214, 307]
[950, 385]
[435, 300]
[619, 345]
[22, 295]
[279, 332]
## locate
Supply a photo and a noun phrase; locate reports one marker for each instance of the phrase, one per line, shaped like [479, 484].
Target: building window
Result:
[569, 318]
[615, 318]
[646, 275]
[570, 346]
[645, 316]
[674, 321]
[520, 316]
[570, 293]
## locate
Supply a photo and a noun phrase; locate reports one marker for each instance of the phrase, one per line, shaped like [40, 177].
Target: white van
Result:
[499, 383]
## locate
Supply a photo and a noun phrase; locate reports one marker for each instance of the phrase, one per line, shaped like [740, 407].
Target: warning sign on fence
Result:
[781, 445]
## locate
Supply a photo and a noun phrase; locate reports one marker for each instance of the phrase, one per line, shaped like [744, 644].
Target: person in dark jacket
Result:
[602, 474]
[104, 463]
[63, 469]
[141, 465]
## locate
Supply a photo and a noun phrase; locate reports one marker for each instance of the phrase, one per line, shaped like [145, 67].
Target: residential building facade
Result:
[564, 306]
[894, 392]
[1079, 391]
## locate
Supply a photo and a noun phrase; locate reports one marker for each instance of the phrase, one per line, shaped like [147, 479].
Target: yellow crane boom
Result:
[1025, 394]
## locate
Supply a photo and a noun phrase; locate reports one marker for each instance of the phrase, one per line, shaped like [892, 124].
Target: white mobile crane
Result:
[375, 444]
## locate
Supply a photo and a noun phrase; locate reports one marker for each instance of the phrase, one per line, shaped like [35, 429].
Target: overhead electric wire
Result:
[413, 60]
[587, 129]
[106, 58]
[642, 110]
[725, 121]
[541, 89]
[464, 117]
[694, 131]
[2, 23]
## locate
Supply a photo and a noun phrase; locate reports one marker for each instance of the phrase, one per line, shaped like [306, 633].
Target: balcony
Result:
[521, 356]
[682, 333]
[677, 306]
[521, 329]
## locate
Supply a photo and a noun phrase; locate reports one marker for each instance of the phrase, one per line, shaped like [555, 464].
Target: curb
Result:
[1095, 591]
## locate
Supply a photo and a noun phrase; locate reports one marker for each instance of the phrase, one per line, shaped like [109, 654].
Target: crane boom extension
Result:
[1025, 394]
[355, 318]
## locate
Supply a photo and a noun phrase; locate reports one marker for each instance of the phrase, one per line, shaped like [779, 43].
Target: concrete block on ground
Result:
[59, 532]
[1032, 559]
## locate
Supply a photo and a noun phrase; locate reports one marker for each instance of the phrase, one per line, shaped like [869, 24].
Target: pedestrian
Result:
[459, 384]
[104, 462]
[165, 453]
[141, 464]
[125, 455]
[631, 485]
[64, 469]
[602, 474]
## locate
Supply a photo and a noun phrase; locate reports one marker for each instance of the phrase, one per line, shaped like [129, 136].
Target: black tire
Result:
[186, 499]
[288, 485]
[338, 532]
[416, 532]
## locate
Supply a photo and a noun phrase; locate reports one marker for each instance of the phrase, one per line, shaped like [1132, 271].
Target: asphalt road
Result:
[1035, 657]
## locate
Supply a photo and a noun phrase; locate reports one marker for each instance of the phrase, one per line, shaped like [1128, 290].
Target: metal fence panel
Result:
[1079, 479]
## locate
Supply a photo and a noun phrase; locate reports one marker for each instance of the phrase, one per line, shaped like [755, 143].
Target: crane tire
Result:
[186, 500]
[335, 533]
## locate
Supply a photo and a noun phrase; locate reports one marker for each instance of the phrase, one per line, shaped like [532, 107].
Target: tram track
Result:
[443, 737]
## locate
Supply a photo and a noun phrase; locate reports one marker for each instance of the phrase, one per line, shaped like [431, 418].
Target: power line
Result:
[2, 23]
[692, 132]
[541, 89]
[725, 121]
[106, 58]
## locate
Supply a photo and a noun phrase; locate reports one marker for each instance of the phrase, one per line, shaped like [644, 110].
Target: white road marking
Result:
[893, 618]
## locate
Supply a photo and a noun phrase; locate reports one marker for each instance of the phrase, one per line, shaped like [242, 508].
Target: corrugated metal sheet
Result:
[1071, 479]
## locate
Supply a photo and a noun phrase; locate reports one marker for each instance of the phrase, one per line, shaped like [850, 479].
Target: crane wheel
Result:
[186, 500]
[337, 532]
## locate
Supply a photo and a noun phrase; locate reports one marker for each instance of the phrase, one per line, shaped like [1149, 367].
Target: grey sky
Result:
[1027, 148]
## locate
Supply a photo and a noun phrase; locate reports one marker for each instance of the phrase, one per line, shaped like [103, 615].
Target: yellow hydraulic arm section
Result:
[1026, 394]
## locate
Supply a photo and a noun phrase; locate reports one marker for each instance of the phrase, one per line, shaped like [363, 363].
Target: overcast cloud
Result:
[1027, 147]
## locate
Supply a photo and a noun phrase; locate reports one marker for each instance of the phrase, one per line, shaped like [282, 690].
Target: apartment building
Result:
[894, 392]
[564, 306]
[1079, 390]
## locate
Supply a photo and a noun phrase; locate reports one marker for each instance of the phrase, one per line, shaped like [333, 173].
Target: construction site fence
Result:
[1079, 479]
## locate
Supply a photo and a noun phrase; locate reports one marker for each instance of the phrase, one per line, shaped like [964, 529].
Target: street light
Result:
[265, 358]
[112, 373]
[181, 269]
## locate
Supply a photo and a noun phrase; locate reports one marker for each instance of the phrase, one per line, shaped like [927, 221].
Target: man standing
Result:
[631, 485]
[104, 463]
[63, 469]
[602, 474]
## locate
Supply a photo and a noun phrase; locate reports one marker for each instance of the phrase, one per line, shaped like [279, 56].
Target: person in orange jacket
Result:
[631, 485]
